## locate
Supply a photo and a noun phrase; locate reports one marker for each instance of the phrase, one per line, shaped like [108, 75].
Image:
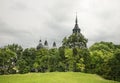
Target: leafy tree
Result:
[41, 59]
[62, 53]
[75, 60]
[29, 55]
[15, 48]
[23, 67]
[75, 40]
[6, 57]
[62, 59]
[85, 55]
[114, 67]
[75, 53]
[53, 60]
[26, 61]
[105, 60]
[69, 60]
[100, 53]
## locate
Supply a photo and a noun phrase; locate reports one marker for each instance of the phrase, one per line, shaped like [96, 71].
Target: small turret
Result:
[54, 45]
[46, 44]
[39, 45]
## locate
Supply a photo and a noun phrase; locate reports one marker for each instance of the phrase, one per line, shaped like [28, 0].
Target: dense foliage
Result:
[102, 58]
[105, 60]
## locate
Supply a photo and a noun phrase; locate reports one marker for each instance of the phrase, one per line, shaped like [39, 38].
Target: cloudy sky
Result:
[26, 21]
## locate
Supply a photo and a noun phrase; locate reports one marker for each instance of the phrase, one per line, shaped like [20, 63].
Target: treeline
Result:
[13, 59]
[101, 58]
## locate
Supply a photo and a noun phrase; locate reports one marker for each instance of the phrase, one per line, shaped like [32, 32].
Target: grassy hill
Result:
[55, 77]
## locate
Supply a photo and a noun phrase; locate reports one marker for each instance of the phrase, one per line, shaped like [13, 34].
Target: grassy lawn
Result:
[55, 77]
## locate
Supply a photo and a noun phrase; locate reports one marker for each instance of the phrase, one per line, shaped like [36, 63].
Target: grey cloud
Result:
[54, 19]
[11, 35]
[19, 6]
[5, 29]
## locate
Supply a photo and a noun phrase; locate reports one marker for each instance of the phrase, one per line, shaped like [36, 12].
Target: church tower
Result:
[76, 28]
[77, 39]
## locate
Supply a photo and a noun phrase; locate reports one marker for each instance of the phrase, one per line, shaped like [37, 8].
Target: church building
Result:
[45, 45]
[74, 40]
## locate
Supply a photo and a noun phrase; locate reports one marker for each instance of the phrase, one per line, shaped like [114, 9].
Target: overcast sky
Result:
[26, 21]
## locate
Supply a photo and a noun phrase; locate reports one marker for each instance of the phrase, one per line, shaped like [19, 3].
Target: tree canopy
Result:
[101, 58]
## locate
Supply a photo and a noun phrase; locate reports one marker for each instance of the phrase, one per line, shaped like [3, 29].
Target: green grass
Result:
[55, 77]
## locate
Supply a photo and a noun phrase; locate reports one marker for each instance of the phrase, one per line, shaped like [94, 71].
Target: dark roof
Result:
[54, 44]
[46, 43]
[40, 45]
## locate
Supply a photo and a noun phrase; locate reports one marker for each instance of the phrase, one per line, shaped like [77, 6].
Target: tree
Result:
[75, 60]
[105, 60]
[85, 55]
[53, 60]
[26, 60]
[62, 59]
[17, 49]
[74, 46]
[6, 57]
[75, 40]
[41, 59]
[114, 67]
[23, 67]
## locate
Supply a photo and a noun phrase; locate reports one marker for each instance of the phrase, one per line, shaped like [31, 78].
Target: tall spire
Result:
[76, 18]
[76, 28]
